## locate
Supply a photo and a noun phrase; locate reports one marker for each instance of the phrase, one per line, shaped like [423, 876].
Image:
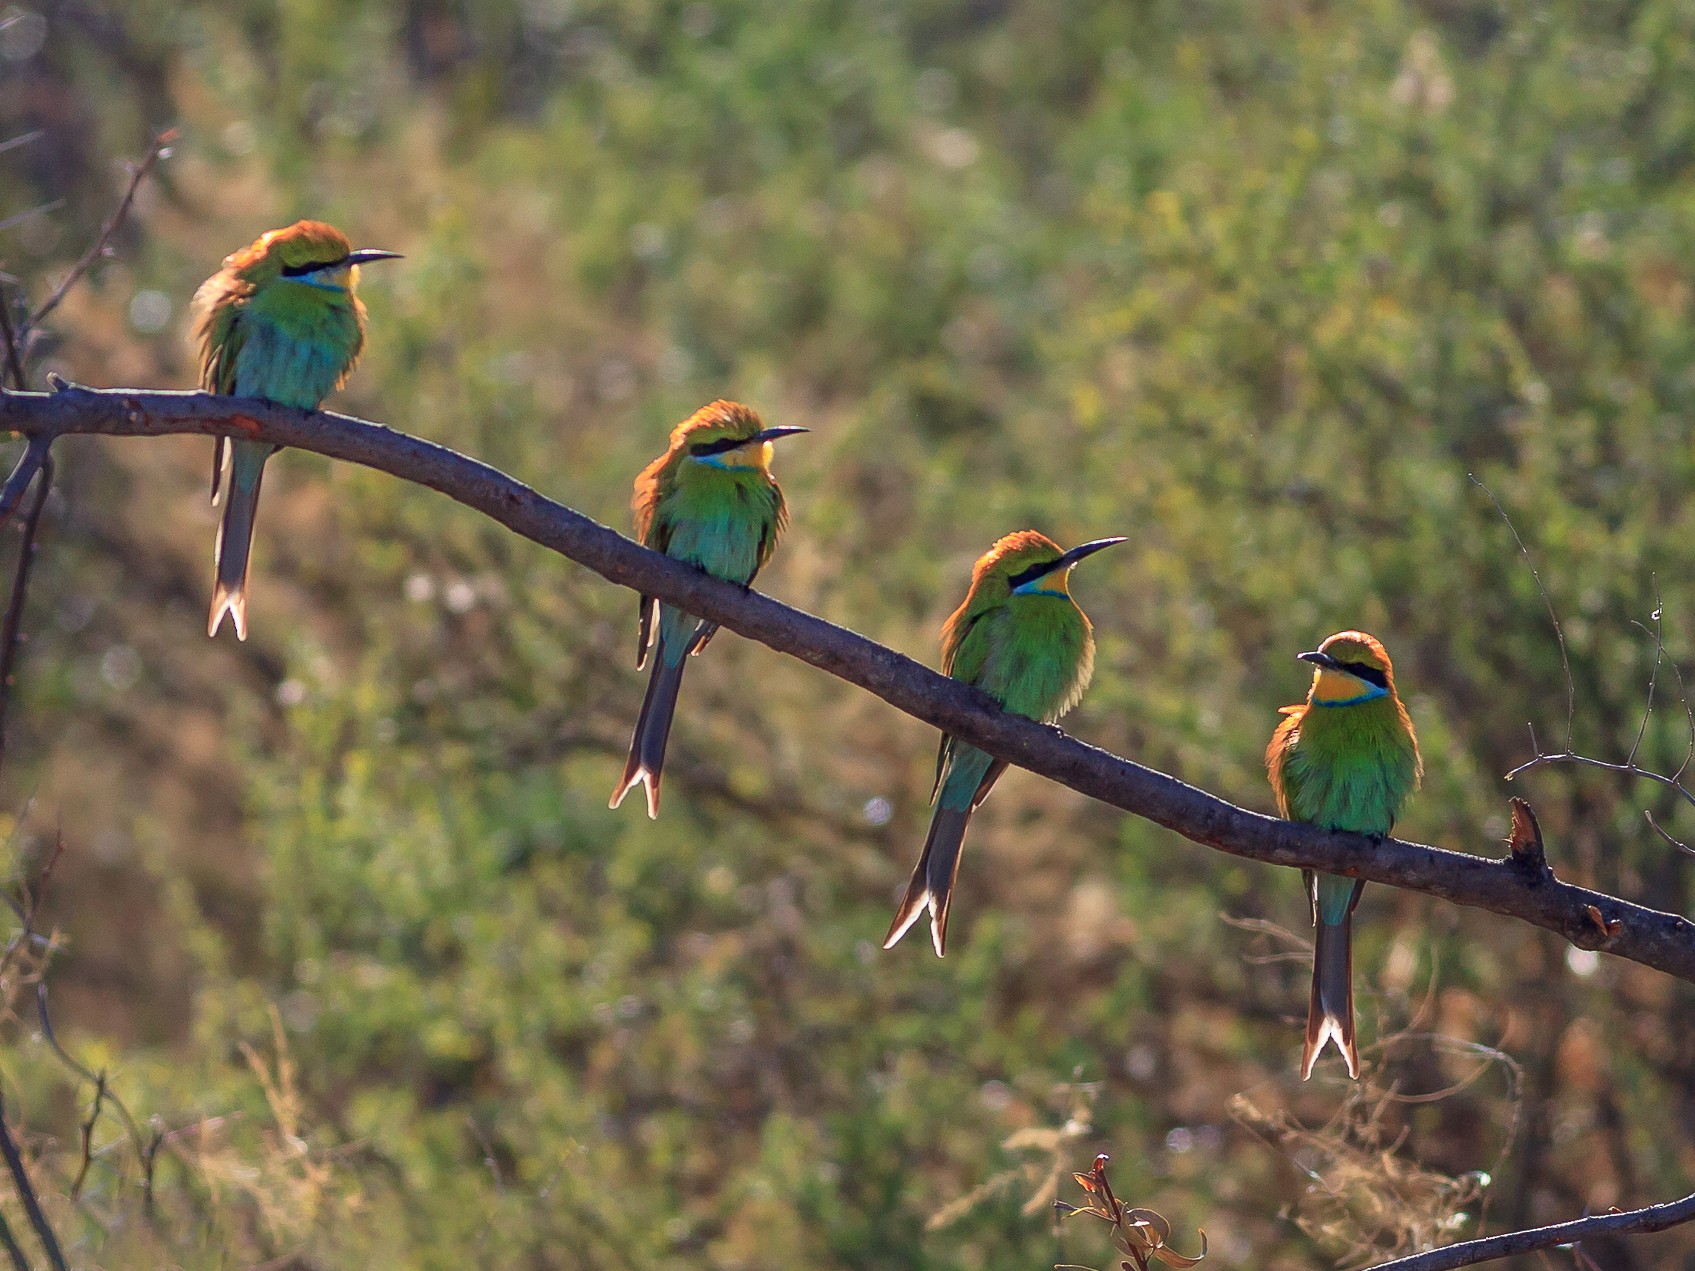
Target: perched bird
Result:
[280, 321]
[1346, 759]
[1020, 637]
[710, 500]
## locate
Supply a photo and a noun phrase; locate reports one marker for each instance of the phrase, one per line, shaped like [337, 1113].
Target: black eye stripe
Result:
[311, 267]
[1364, 671]
[722, 446]
[1031, 574]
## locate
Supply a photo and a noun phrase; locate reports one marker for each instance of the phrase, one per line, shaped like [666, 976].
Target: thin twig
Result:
[1626, 769]
[1661, 940]
[1490, 1248]
[1653, 675]
[1548, 603]
[14, 359]
[75, 1065]
[14, 1251]
[87, 1133]
[11, 630]
[26, 1193]
[30, 213]
[138, 173]
[28, 465]
[22, 139]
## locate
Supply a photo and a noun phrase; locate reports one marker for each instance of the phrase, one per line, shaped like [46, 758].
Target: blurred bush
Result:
[1263, 286]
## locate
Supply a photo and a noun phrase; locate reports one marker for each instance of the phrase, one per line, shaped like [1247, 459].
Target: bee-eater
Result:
[1020, 637]
[1346, 759]
[280, 321]
[710, 500]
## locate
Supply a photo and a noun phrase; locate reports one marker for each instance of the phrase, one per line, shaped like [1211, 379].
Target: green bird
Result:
[1020, 637]
[710, 500]
[1347, 759]
[280, 321]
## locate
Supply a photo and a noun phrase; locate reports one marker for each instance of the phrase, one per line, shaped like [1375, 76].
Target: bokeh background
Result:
[1260, 285]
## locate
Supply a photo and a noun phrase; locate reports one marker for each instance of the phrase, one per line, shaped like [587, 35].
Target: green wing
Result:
[964, 663]
[221, 340]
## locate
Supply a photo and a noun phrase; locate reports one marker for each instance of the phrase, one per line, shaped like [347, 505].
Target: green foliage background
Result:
[1259, 285]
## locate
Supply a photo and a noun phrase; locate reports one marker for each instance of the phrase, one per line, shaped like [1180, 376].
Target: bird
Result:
[282, 321]
[709, 500]
[1020, 637]
[1346, 759]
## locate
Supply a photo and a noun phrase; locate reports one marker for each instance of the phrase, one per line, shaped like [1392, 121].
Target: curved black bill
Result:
[1087, 549]
[771, 434]
[1319, 659]
[365, 255]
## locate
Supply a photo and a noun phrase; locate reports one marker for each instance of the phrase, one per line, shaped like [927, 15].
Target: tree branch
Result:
[1471, 1252]
[1588, 919]
[138, 173]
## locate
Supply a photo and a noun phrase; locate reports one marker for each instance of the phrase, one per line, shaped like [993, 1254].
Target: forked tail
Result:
[235, 537]
[653, 728]
[931, 886]
[1330, 1009]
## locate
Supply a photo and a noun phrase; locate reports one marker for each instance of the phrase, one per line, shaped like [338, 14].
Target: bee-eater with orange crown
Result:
[1020, 637]
[1346, 759]
[710, 500]
[280, 321]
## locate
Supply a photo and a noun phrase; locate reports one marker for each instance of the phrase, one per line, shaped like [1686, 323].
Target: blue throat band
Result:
[1371, 694]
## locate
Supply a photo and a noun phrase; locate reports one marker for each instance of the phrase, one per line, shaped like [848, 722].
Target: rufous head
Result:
[727, 434]
[1028, 562]
[1350, 666]
[310, 252]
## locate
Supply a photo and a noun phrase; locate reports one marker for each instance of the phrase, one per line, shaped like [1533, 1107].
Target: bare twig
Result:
[27, 466]
[1660, 940]
[138, 173]
[1659, 635]
[9, 337]
[1631, 769]
[26, 1193]
[87, 1135]
[1471, 1252]
[22, 139]
[14, 1251]
[1547, 602]
[104, 1092]
[11, 628]
[30, 213]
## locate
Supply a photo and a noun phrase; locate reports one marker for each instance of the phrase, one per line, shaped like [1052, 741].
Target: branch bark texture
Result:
[1522, 888]
[1492, 1248]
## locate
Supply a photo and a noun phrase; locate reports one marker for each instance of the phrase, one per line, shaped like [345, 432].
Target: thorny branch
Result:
[1589, 919]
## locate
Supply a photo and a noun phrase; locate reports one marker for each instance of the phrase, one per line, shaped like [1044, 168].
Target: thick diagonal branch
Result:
[1591, 920]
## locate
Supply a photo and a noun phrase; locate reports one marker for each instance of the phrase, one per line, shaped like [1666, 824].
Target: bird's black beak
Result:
[365, 255]
[1319, 659]
[771, 434]
[1087, 549]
